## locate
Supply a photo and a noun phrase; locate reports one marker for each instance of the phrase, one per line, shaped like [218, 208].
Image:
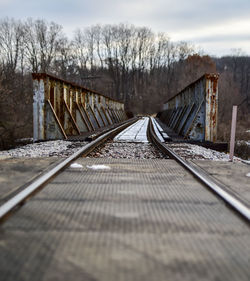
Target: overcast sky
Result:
[217, 26]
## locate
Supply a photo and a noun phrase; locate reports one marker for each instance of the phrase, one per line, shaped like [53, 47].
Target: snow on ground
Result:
[192, 151]
[99, 167]
[137, 132]
[243, 142]
[43, 149]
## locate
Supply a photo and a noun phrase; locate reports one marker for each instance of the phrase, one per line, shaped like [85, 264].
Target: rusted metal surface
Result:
[193, 112]
[62, 108]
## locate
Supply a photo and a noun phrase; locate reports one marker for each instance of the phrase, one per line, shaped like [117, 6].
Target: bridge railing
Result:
[193, 113]
[62, 108]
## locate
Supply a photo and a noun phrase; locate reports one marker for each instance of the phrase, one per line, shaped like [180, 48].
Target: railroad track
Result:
[133, 219]
[157, 137]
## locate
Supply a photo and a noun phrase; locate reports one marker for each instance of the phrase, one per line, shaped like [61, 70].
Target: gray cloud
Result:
[223, 38]
[176, 16]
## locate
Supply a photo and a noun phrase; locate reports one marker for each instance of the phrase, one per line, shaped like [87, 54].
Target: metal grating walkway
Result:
[138, 220]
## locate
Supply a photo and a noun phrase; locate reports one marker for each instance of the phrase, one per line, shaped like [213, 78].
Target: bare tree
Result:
[80, 54]
[41, 43]
[11, 34]
[64, 64]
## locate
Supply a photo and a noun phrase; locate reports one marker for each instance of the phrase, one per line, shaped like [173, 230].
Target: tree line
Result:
[129, 63]
[121, 59]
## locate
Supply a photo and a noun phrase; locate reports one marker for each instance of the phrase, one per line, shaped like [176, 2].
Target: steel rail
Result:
[19, 198]
[204, 178]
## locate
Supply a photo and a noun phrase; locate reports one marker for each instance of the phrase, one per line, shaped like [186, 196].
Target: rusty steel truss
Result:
[62, 109]
[193, 112]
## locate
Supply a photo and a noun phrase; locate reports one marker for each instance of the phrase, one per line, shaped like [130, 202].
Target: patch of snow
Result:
[248, 175]
[243, 142]
[76, 165]
[99, 167]
[134, 133]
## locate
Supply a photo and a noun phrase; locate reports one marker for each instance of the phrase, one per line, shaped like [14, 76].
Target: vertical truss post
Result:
[233, 131]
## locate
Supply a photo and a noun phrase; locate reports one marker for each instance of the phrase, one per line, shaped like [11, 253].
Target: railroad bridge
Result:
[63, 109]
[101, 215]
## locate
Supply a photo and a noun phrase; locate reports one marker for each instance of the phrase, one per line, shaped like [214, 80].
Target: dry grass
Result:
[241, 148]
[224, 130]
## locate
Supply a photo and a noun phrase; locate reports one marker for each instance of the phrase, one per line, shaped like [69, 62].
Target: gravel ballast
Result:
[127, 150]
[195, 152]
[58, 148]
